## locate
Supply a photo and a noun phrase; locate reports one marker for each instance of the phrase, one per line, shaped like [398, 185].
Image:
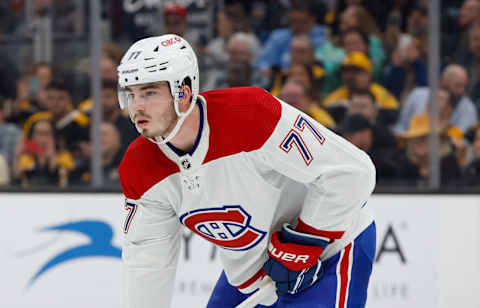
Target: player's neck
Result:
[187, 135]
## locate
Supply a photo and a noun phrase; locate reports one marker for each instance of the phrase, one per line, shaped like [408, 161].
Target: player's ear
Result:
[184, 95]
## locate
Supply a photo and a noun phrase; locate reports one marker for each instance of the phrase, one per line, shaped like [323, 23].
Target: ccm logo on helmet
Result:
[228, 226]
[171, 41]
[286, 256]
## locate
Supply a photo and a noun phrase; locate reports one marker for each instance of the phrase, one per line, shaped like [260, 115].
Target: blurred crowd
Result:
[358, 67]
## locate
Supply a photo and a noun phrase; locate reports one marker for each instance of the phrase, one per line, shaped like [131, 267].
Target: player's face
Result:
[151, 108]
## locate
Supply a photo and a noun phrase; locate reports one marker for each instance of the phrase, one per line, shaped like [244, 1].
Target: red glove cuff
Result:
[295, 257]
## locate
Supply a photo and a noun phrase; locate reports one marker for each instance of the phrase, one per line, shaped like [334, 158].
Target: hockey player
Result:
[280, 194]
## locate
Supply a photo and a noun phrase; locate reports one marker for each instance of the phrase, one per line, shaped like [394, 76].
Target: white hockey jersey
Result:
[257, 163]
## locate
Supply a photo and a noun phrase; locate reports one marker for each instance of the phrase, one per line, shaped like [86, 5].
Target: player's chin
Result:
[148, 133]
[145, 133]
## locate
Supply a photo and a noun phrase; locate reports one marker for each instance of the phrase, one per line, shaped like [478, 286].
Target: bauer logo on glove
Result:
[294, 262]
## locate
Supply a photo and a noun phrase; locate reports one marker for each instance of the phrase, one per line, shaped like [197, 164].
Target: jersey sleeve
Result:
[339, 177]
[152, 236]
[150, 254]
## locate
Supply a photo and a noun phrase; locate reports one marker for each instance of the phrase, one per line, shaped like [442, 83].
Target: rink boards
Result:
[63, 250]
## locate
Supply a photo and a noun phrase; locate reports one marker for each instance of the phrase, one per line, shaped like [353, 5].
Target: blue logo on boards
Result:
[100, 244]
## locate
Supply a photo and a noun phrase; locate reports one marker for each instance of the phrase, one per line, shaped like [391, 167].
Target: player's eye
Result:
[150, 93]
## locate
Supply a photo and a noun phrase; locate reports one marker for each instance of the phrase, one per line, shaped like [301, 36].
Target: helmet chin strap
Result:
[181, 118]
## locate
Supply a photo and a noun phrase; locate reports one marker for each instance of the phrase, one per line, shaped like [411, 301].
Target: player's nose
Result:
[137, 104]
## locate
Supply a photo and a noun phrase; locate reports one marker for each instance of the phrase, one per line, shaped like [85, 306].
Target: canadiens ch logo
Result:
[228, 226]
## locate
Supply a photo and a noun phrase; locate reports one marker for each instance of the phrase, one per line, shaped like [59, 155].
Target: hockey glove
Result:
[294, 262]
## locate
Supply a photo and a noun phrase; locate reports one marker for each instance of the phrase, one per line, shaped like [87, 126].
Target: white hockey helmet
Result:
[160, 58]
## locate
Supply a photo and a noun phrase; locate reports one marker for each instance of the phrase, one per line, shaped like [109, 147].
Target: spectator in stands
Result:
[445, 102]
[302, 50]
[110, 58]
[353, 39]
[355, 17]
[356, 75]
[358, 130]
[216, 50]
[277, 47]
[471, 174]
[239, 11]
[295, 93]
[24, 104]
[111, 113]
[40, 160]
[244, 47]
[363, 102]
[239, 74]
[175, 19]
[310, 75]
[378, 10]
[4, 171]
[267, 16]
[416, 25]
[472, 64]
[71, 125]
[40, 76]
[62, 14]
[111, 154]
[455, 45]
[7, 68]
[111, 157]
[407, 70]
[30, 93]
[455, 80]
[381, 143]
[44, 73]
[9, 136]
[412, 164]
[302, 62]
[176, 22]
[241, 47]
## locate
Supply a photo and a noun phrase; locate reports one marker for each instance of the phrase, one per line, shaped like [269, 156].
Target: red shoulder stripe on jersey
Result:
[240, 120]
[258, 275]
[332, 235]
[143, 166]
